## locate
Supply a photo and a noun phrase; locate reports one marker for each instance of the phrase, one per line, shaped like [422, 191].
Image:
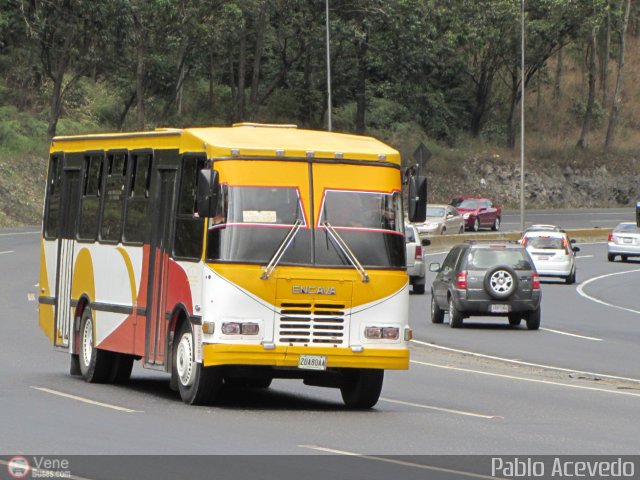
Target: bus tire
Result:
[121, 369]
[361, 387]
[95, 364]
[197, 384]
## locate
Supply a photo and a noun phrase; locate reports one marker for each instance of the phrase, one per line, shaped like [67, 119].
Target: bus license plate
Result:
[499, 308]
[312, 362]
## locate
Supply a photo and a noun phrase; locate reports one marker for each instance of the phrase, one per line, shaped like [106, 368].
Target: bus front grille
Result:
[312, 324]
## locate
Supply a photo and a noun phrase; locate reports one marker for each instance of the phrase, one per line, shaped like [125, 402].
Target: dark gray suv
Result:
[495, 278]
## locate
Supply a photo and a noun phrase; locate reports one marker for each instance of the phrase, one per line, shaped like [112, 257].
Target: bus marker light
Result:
[408, 334]
[268, 345]
[357, 348]
[208, 327]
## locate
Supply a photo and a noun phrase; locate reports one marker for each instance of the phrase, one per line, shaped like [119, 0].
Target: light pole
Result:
[521, 116]
[329, 70]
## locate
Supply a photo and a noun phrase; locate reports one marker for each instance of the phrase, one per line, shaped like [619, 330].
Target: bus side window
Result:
[53, 196]
[111, 228]
[189, 227]
[137, 198]
[90, 201]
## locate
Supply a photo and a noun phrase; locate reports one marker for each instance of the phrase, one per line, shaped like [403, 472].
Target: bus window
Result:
[189, 227]
[53, 197]
[257, 220]
[137, 198]
[111, 228]
[90, 202]
[369, 222]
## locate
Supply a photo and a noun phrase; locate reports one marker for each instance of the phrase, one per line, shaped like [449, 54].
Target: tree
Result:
[615, 107]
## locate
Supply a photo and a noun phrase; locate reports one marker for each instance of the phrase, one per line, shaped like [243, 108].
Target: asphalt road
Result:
[571, 388]
[570, 218]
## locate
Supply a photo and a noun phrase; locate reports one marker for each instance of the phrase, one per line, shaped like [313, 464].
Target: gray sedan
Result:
[441, 220]
[624, 241]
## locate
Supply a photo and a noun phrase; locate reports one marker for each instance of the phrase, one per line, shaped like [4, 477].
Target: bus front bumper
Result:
[284, 356]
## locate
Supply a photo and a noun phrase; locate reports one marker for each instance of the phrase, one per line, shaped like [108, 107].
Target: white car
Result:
[624, 241]
[553, 254]
[441, 220]
[415, 260]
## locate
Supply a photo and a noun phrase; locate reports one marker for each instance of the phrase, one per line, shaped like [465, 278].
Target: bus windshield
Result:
[253, 221]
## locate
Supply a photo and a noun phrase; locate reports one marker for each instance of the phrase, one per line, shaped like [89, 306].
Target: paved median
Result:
[579, 234]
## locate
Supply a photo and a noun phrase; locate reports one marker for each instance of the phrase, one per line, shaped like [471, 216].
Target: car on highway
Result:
[488, 278]
[441, 220]
[415, 261]
[478, 212]
[553, 253]
[624, 241]
[540, 227]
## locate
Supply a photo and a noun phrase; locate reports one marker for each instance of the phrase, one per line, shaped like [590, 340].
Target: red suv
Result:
[478, 212]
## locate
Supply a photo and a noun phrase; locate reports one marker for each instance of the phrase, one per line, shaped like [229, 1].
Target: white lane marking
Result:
[45, 473]
[397, 462]
[31, 297]
[528, 364]
[86, 400]
[523, 379]
[18, 233]
[440, 409]
[6, 251]
[571, 334]
[581, 291]
[584, 256]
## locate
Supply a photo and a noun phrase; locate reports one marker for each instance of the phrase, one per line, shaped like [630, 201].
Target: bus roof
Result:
[241, 140]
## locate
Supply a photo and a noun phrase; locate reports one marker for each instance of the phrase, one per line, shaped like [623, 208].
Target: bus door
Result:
[159, 268]
[69, 203]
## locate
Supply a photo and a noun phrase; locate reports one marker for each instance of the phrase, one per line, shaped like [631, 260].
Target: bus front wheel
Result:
[95, 364]
[198, 385]
[361, 387]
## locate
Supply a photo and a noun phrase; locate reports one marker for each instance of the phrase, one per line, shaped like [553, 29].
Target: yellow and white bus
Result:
[228, 255]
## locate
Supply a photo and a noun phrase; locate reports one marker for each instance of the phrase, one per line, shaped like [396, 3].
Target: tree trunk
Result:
[557, 91]
[182, 73]
[604, 57]
[586, 120]
[211, 74]
[482, 95]
[515, 97]
[613, 117]
[140, 74]
[57, 76]
[125, 111]
[242, 60]
[257, 58]
[361, 82]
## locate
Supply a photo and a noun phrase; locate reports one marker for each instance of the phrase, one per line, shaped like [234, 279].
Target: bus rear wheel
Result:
[361, 387]
[198, 385]
[95, 364]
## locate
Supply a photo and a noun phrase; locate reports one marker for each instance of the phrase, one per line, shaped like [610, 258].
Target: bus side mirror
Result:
[208, 191]
[417, 198]
[638, 214]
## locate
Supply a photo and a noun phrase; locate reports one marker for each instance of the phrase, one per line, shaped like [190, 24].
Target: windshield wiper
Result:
[347, 251]
[275, 259]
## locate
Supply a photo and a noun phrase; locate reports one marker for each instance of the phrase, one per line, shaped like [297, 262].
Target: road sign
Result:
[422, 154]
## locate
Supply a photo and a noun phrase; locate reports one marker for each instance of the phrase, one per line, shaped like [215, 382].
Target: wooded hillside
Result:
[443, 72]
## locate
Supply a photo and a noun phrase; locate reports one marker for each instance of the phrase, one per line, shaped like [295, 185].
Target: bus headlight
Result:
[240, 328]
[382, 333]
